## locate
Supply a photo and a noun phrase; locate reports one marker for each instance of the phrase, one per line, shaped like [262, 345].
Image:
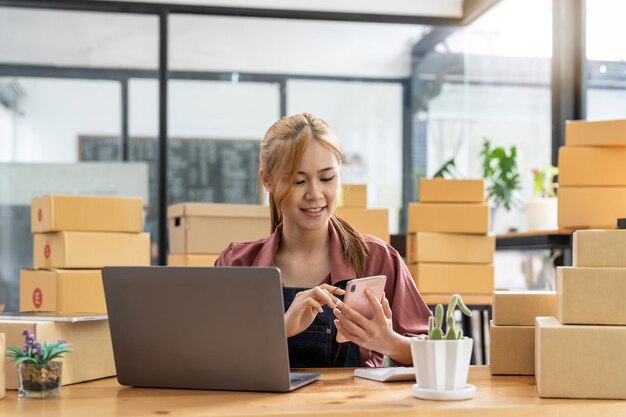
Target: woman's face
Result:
[315, 193]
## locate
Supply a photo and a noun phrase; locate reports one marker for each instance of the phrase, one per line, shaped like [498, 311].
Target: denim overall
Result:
[316, 347]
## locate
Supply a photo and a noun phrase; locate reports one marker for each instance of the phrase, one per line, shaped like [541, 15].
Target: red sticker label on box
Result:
[46, 251]
[39, 215]
[37, 298]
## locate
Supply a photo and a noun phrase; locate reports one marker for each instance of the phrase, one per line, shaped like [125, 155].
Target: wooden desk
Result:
[338, 393]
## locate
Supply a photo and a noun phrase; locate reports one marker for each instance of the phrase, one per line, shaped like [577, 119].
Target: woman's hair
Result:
[281, 152]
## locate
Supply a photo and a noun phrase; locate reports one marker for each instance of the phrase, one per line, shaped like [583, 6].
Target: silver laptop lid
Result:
[204, 328]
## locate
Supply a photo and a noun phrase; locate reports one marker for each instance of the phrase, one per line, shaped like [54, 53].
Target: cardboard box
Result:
[592, 166]
[2, 371]
[201, 228]
[448, 218]
[191, 260]
[373, 222]
[574, 361]
[599, 248]
[520, 308]
[596, 133]
[591, 207]
[353, 196]
[591, 295]
[512, 350]
[62, 290]
[449, 248]
[440, 190]
[453, 278]
[90, 249]
[92, 355]
[61, 213]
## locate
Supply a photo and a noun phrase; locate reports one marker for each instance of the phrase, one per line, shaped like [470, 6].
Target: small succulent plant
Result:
[435, 331]
[35, 352]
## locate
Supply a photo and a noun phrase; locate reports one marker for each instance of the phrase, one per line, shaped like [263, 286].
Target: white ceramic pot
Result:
[441, 364]
[542, 213]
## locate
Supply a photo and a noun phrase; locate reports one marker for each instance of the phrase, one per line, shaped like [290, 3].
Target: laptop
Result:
[218, 328]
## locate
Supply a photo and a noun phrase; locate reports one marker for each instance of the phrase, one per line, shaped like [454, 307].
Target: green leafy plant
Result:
[544, 181]
[502, 174]
[37, 353]
[435, 331]
[448, 169]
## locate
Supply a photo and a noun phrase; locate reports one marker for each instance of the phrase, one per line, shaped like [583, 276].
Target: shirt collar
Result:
[340, 268]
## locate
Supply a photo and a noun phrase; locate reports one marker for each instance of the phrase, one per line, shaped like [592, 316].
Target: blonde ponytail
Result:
[355, 248]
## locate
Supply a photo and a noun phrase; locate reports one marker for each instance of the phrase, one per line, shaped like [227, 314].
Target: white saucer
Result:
[465, 393]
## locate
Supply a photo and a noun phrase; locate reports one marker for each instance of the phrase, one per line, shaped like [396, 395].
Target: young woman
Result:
[317, 253]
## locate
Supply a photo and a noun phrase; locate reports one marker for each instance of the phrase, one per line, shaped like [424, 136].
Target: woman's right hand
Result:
[307, 304]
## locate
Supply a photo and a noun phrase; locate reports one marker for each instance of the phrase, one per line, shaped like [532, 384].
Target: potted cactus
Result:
[441, 359]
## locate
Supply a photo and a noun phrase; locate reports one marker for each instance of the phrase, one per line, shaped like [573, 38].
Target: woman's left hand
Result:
[376, 334]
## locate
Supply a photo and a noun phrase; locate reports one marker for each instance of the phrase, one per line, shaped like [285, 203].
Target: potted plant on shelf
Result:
[39, 375]
[441, 359]
[502, 174]
[543, 210]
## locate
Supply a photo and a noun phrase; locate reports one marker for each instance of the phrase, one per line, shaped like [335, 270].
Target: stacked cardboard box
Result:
[91, 356]
[578, 354]
[353, 209]
[448, 249]
[198, 232]
[592, 174]
[73, 238]
[513, 329]
[2, 372]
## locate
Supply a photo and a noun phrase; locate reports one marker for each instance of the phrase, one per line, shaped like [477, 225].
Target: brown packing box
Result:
[90, 249]
[449, 218]
[2, 372]
[52, 213]
[353, 196]
[512, 350]
[373, 222]
[202, 228]
[597, 133]
[574, 361]
[62, 290]
[92, 355]
[520, 308]
[599, 248]
[591, 207]
[449, 248]
[592, 166]
[439, 190]
[453, 278]
[191, 260]
[591, 295]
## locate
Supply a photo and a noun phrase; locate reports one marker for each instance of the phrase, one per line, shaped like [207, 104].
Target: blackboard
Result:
[199, 170]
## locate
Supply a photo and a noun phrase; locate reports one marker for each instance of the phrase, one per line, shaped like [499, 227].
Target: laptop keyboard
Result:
[294, 380]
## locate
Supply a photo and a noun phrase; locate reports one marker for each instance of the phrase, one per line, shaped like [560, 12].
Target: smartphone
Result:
[355, 296]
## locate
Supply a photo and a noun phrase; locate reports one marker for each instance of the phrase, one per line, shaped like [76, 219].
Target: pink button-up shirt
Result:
[409, 311]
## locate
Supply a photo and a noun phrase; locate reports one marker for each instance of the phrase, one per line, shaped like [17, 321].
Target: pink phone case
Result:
[355, 296]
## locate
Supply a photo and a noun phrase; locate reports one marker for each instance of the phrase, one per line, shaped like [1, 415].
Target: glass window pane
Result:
[284, 46]
[489, 80]
[606, 62]
[367, 118]
[61, 99]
